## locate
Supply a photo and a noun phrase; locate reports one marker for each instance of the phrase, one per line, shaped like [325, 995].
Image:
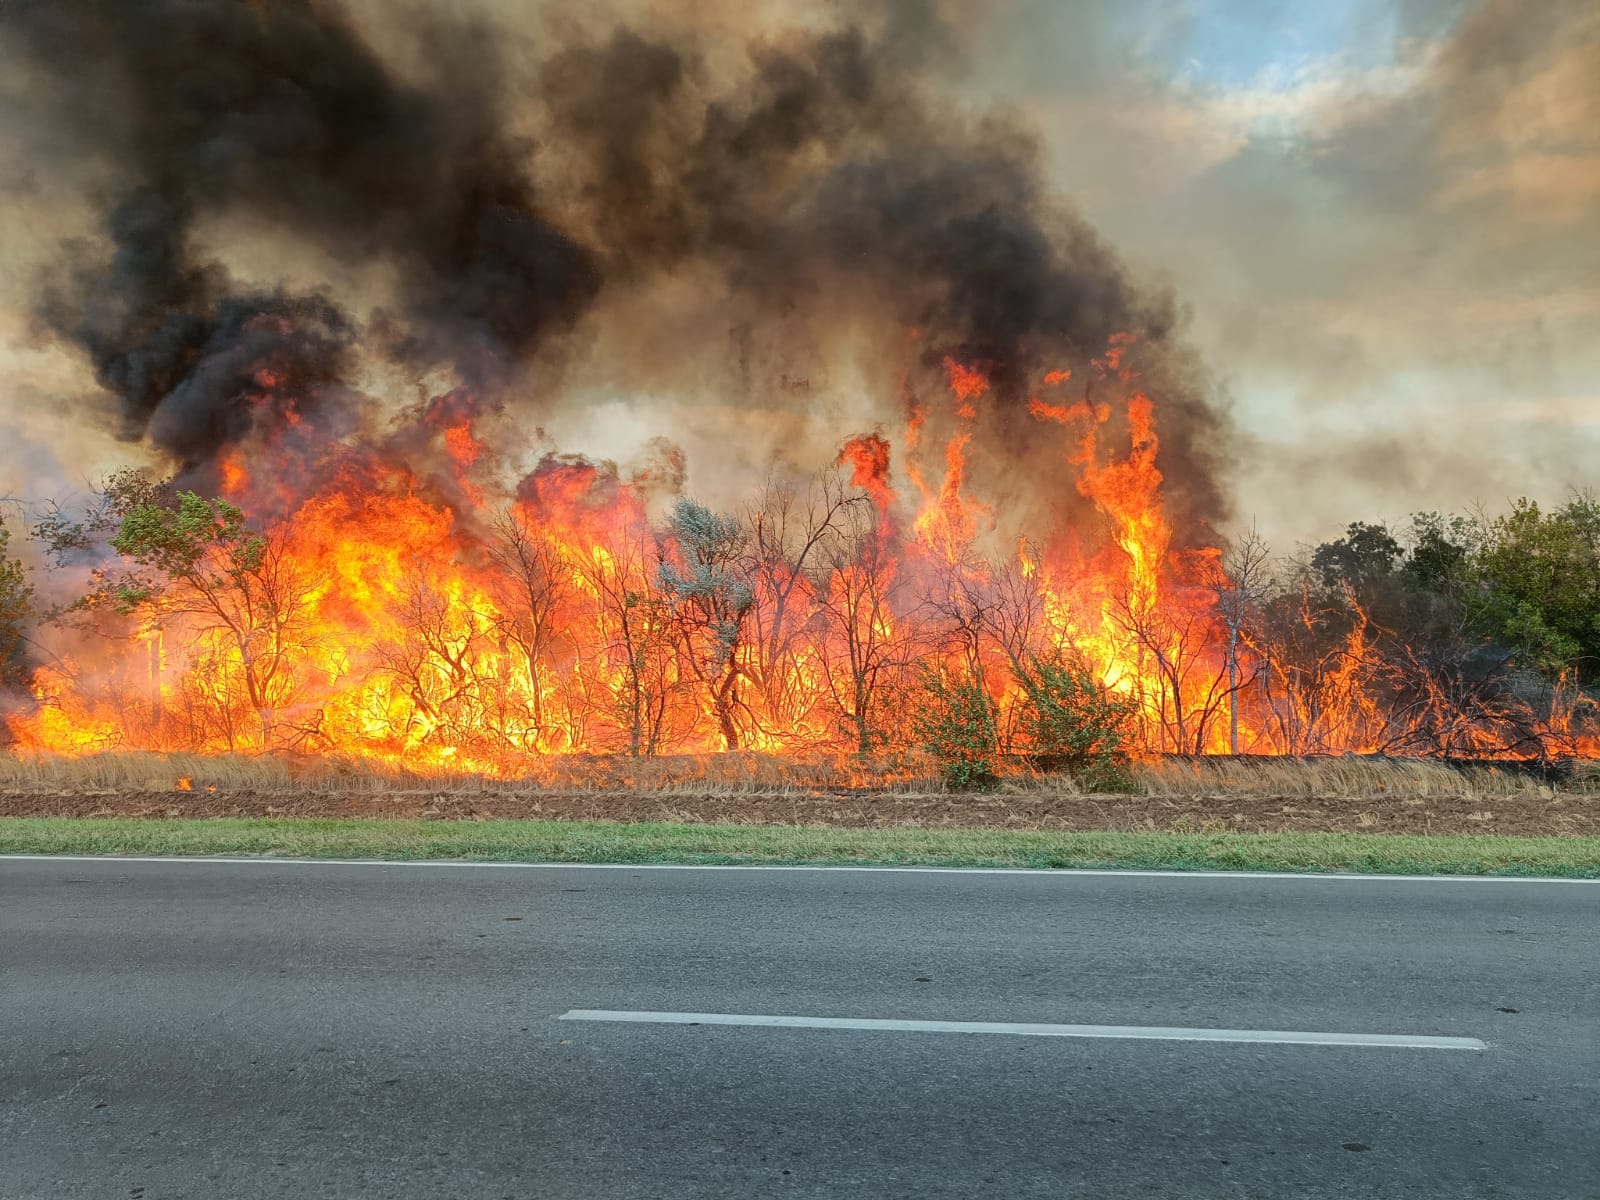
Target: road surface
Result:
[205, 1029]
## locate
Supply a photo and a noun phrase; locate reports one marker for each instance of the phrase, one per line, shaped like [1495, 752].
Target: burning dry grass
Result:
[666, 775]
[686, 777]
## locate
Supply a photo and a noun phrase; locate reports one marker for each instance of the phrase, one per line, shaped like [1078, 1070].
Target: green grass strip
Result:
[612, 842]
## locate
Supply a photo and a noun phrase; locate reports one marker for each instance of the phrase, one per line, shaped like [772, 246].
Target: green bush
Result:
[955, 722]
[16, 607]
[1069, 718]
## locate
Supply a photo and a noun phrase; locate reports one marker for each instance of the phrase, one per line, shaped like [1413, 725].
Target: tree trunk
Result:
[155, 681]
[724, 706]
[1233, 689]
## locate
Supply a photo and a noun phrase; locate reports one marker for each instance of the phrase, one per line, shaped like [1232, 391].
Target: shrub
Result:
[16, 607]
[1069, 718]
[955, 722]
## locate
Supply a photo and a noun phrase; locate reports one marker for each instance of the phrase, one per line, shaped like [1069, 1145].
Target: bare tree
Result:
[1245, 582]
[791, 536]
[436, 656]
[864, 646]
[1182, 679]
[1018, 627]
[634, 666]
[531, 588]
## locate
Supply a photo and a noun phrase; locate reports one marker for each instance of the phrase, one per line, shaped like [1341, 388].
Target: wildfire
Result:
[399, 615]
[355, 360]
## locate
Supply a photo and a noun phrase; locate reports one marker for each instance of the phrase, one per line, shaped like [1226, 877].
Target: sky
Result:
[1382, 220]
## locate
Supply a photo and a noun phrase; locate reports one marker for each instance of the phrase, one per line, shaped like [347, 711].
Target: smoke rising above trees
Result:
[507, 182]
[346, 276]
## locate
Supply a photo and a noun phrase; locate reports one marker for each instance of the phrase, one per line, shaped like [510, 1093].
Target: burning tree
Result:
[1181, 675]
[797, 536]
[1320, 672]
[440, 659]
[387, 617]
[532, 592]
[866, 643]
[710, 598]
[1245, 581]
[236, 602]
[820, 245]
[639, 677]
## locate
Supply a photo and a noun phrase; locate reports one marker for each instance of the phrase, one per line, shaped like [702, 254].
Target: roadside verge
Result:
[661, 842]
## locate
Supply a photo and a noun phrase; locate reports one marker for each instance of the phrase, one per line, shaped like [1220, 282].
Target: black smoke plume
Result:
[281, 112]
[825, 173]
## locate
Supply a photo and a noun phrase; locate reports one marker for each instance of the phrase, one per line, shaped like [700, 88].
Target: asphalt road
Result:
[247, 1030]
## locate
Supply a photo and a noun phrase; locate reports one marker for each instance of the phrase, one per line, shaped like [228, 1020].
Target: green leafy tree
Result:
[1366, 552]
[1071, 719]
[955, 722]
[197, 543]
[242, 602]
[69, 536]
[16, 610]
[1539, 575]
[1439, 558]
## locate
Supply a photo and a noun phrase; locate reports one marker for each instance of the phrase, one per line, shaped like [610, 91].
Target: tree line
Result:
[804, 623]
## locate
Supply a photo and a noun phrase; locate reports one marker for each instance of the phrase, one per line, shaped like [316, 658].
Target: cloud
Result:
[1386, 229]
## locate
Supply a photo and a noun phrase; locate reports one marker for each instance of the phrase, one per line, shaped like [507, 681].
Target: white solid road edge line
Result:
[1158, 1033]
[1037, 872]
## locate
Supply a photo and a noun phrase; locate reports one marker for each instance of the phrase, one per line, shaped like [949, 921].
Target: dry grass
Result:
[1345, 795]
[667, 775]
[139, 771]
[752, 774]
[1341, 777]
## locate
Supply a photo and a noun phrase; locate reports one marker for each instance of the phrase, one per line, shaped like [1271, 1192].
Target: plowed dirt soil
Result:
[1544, 813]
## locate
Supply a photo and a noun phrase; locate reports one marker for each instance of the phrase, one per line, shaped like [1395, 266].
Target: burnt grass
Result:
[1543, 812]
